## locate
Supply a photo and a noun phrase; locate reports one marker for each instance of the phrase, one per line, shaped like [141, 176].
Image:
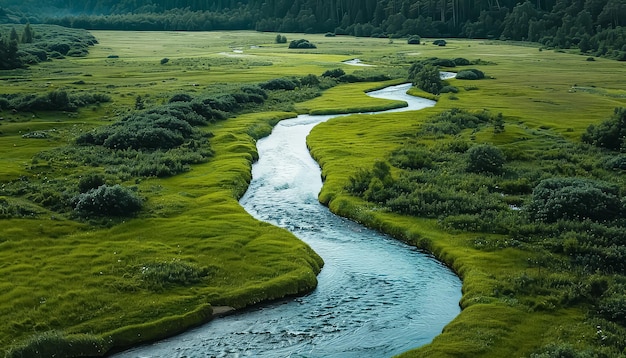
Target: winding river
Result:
[376, 297]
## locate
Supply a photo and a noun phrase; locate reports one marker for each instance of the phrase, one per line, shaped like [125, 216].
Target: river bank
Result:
[361, 306]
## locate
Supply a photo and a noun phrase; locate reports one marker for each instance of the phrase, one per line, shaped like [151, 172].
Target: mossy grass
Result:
[65, 280]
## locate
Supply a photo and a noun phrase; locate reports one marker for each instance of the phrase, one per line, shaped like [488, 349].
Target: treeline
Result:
[596, 27]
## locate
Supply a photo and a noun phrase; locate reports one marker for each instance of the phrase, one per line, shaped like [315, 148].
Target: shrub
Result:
[443, 62]
[574, 199]
[280, 39]
[609, 134]
[613, 308]
[460, 61]
[485, 158]
[256, 90]
[279, 84]
[616, 163]
[302, 43]
[334, 73]
[165, 60]
[181, 97]
[470, 74]
[426, 77]
[310, 80]
[107, 200]
[414, 40]
[449, 89]
[440, 42]
[61, 48]
[90, 181]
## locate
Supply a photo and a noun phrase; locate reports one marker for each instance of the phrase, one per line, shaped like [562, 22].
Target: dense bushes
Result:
[610, 134]
[58, 100]
[334, 73]
[470, 74]
[302, 43]
[574, 199]
[279, 84]
[485, 158]
[426, 77]
[107, 200]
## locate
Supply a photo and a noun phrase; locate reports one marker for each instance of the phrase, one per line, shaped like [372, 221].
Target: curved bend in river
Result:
[376, 296]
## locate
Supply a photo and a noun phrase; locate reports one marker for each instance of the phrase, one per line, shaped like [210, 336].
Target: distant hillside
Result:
[597, 27]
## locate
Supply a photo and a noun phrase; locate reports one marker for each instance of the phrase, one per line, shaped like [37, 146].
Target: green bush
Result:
[302, 43]
[460, 61]
[426, 77]
[610, 134]
[279, 84]
[334, 73]
[90, 181]
[414, 40]
[280, 39]
[107, 200]
[485, 158]
[574, 199]
[180, 97]
[470, 74]
[617, 162]
[440, 42]
[449, 89]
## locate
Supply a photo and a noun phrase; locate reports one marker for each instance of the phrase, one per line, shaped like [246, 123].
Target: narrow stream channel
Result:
[376, 297]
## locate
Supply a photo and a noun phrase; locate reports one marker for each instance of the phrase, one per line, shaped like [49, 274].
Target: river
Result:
[376, 296]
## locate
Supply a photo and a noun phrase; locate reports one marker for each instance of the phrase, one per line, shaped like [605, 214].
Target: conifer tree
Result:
[28, 35]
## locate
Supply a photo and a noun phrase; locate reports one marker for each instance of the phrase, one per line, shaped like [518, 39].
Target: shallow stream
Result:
[376, 297]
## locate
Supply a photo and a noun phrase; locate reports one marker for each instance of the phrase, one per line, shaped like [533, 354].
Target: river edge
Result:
[222, 311]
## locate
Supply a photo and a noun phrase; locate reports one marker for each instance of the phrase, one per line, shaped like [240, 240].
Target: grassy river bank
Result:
[76, 286]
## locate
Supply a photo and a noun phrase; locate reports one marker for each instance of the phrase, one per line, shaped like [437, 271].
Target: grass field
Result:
[68, 282]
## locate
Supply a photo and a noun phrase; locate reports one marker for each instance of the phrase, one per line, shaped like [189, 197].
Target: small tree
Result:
[165, 60]
[14, 36]
[610, 134]
[280, 39]
[426, 77]
[28, 35]
[485, 158]
[8, 54]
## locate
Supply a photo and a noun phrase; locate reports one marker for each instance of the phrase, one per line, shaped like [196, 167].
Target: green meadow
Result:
[72, 286]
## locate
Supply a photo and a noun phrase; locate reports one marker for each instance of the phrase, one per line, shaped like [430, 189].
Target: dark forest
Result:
[594, 26]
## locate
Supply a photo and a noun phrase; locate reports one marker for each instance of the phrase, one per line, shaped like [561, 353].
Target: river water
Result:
[376, 296]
